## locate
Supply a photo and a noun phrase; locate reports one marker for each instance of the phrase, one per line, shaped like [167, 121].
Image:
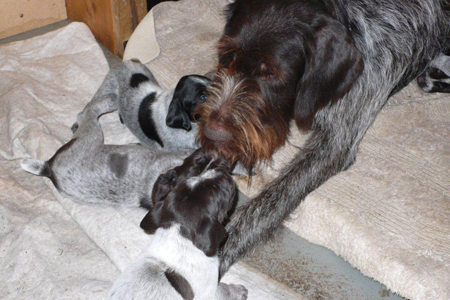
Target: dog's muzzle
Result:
[216, 135]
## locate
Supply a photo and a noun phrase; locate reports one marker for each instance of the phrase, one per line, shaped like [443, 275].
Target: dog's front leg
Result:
[231, 292]
[325, 154]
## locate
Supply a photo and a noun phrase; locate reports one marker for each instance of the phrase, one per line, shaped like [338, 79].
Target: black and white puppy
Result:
[181, 261]
[188, 94]
[159, 118]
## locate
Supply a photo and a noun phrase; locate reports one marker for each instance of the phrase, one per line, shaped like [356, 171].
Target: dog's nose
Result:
[216, 133]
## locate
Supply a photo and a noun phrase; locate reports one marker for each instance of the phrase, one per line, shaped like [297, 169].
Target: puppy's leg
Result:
[231, 292]
[89, 131]
[97, 107]
[436, 79]
[105, 99]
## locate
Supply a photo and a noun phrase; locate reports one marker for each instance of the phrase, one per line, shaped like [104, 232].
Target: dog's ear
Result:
[332, 66]
[163, 185]
[208, 236]
[178, 116]
[230, 12]
[151, 221]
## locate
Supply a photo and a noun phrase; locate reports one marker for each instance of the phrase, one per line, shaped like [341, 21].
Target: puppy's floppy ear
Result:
[177, 116]
[208, 236]
[151, 221]
[163, 185]
[332, 66]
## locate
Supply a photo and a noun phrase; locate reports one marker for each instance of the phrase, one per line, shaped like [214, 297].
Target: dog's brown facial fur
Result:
[253, 129]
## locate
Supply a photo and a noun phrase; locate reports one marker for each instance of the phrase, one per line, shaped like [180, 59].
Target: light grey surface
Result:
[312, 270]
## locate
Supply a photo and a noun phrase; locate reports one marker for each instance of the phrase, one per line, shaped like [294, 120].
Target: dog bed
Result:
[389, 214]
[52, 247]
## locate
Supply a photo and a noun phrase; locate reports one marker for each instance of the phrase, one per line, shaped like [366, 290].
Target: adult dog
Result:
[330, 65]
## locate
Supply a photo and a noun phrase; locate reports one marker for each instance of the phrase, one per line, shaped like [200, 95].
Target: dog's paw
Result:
[238, 292]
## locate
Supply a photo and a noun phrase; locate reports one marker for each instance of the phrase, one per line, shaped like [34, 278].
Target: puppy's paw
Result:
[238, 292]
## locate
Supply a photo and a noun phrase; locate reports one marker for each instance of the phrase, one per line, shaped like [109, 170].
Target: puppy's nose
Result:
[216, 133]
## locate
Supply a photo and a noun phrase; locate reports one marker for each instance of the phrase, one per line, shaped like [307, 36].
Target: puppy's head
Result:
[189, 93]
[199, 205]
[193, 165]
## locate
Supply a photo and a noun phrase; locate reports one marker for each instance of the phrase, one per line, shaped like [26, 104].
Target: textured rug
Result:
[389, 214]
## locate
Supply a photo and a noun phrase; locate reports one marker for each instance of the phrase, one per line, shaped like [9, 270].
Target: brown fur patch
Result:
[235, 105]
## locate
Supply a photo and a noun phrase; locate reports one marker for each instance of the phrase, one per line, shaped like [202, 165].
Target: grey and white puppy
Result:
[158, 118]
[88, 171]
[181, 261]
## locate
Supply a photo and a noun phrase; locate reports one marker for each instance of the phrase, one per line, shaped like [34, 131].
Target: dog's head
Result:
[278, 60]
[193, 165]
[189, 93]
[199, 205]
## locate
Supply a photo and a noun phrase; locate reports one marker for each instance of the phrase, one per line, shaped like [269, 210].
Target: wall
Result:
[17, 16]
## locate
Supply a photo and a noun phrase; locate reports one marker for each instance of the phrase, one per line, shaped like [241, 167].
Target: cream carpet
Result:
[389, 214]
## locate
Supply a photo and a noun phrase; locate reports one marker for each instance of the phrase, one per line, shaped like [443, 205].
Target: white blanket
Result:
[45, 82]
[44, 253]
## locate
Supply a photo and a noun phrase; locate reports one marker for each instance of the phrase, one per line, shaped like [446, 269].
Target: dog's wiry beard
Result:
[236, 104]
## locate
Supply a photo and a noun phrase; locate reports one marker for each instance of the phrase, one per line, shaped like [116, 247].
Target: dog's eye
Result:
[197, 118]
[203, 98]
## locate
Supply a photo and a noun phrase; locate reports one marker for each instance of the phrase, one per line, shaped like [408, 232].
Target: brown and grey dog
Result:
[329, 65]
[181, 261]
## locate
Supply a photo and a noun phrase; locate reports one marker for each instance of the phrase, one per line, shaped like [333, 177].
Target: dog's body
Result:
[328, 65]
[160, 119]
[181, 261]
